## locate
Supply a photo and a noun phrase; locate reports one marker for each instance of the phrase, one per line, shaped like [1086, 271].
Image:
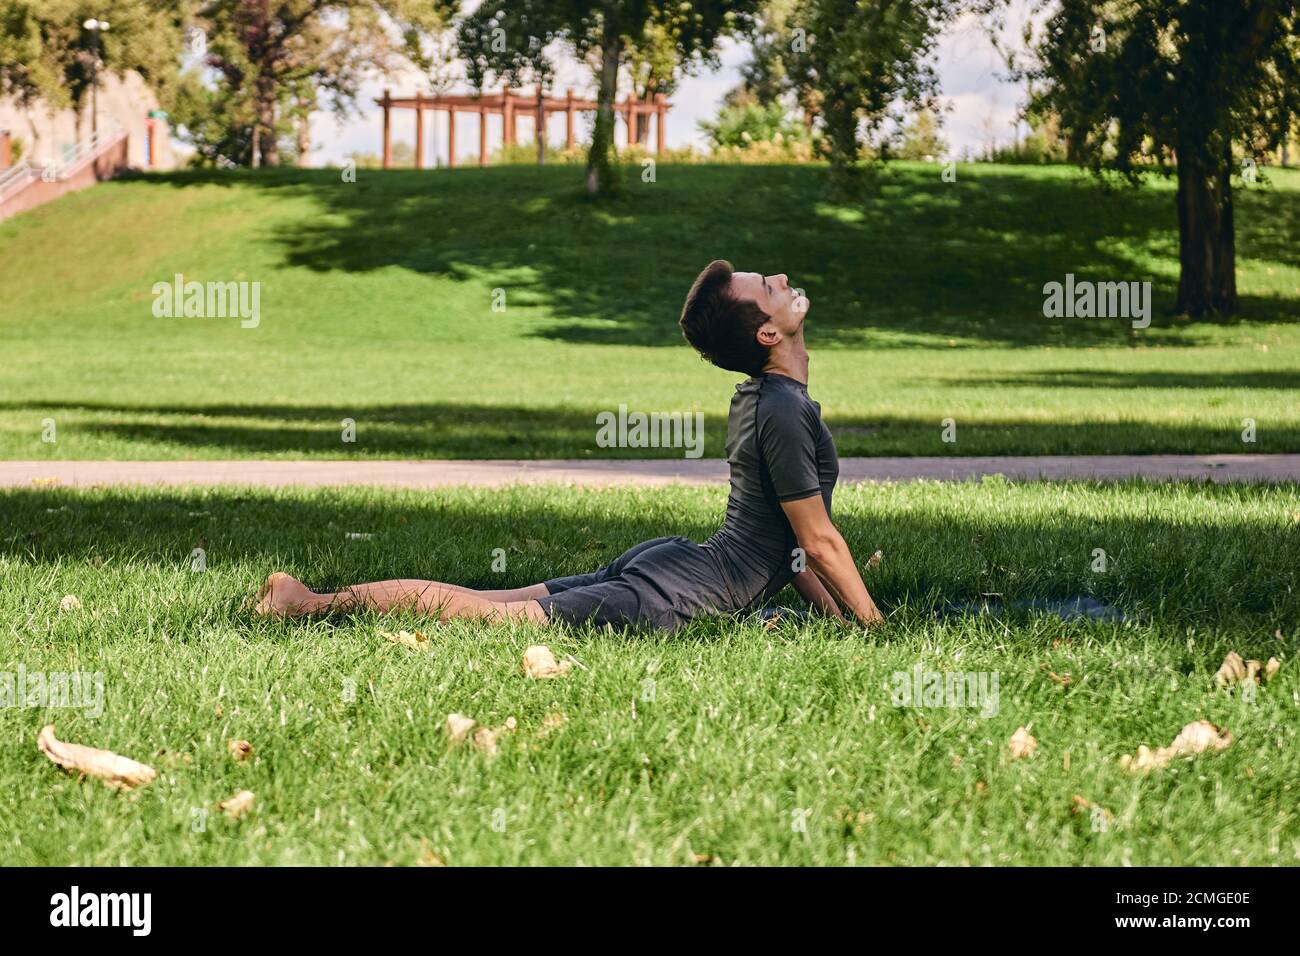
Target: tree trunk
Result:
[1207, 254]
[600, 158]
[266, 97]
[541, 127]
[840, 122]
[641, 122]
[304, 131]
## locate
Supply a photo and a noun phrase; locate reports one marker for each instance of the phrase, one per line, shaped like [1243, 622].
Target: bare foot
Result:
[285, 596]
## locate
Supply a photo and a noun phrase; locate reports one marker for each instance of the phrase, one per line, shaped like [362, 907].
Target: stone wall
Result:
[44, 135]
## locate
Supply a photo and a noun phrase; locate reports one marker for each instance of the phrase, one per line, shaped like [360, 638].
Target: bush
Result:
[758, 133]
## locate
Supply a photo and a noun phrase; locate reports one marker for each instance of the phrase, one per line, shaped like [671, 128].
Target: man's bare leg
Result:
[286, 596]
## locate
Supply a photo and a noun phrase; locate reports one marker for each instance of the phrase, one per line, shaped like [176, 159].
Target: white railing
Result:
[88, 149]
[16, 176]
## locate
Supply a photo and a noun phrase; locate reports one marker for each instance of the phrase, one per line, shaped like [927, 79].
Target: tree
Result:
[655, 66]
[1175, 86]
[867, 59]
[922, 139]
[275, 57]
[47, 53]
[743, 124]
[772, 74]
[507, 39]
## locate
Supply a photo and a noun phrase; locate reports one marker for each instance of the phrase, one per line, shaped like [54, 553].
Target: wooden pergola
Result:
[510, 104]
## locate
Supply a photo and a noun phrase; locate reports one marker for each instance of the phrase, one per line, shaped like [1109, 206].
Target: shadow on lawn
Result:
[455, 430]
[451, 536]
[965, 260]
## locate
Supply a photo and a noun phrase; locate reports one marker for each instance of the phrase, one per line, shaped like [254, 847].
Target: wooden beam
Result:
[419, 131]
[482, 136]
[508, 118]
[451, 137]
[388, 131]
[660, 115]
[568, 120]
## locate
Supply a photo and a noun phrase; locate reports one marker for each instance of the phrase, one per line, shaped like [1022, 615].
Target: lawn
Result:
[728, 744]
[494, 312]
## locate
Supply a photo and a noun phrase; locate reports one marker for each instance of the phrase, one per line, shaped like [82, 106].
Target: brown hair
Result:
[721, 327]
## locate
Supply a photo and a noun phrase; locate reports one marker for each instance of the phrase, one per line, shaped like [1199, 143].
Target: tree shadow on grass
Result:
[1229, 569]
[462, 430]
[964, 260]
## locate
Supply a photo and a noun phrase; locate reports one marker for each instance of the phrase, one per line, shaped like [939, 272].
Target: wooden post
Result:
[482, 136]
[633, 118]
[6, 149]
[660, 113]
[507, 119]
[451, 136]
[388, 131]
[419, 130]
[568, 120]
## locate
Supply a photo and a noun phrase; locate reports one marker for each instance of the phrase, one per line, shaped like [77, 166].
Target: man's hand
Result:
[829, 557]
[812, 590]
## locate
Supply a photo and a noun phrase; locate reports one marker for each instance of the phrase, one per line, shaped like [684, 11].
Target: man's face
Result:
[785, 306]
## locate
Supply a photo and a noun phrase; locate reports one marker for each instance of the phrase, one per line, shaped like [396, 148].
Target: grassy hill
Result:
[377, 305]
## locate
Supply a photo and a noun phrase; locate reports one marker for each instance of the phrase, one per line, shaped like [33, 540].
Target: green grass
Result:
[377, 306]
[746, 728]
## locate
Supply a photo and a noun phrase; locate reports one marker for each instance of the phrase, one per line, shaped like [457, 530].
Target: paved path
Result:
[433, 474]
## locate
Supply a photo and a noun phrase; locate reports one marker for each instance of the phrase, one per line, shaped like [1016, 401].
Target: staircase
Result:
[25, 186]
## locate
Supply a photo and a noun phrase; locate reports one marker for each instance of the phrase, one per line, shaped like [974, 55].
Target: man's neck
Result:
[791, 362]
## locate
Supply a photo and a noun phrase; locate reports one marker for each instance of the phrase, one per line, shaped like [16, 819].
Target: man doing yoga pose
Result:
[778, 527]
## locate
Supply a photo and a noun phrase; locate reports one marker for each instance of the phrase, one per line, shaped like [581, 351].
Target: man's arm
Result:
[812, 590]
[829, 556]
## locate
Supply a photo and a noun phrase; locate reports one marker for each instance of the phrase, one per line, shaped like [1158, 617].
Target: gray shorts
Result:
[662, 583]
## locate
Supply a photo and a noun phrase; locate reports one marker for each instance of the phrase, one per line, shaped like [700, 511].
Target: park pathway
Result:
[494, 473]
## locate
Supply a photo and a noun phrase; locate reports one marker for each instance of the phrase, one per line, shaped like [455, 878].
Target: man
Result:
[778, 526]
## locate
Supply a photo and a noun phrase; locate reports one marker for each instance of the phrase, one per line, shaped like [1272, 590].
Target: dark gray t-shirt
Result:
[779, 450]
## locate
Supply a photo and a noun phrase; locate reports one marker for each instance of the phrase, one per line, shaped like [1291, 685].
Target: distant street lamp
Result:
[96, 27]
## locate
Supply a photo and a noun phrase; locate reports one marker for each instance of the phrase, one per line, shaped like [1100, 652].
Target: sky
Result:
[981, 104]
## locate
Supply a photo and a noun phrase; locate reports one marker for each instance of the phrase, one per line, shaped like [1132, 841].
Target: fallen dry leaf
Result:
[427, 856]
[485, 740]
[458, 727]
[120, 773]
[1234, 670]
[1196, 738]
[1080, 804]
[237, 805]
[873, 562]
[552, 722]
[540, 663]
[240, 749]
[416, 641]
[1022, 744]
[70, 602]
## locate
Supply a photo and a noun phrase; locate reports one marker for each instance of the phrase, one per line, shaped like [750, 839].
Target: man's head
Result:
[735, 319]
